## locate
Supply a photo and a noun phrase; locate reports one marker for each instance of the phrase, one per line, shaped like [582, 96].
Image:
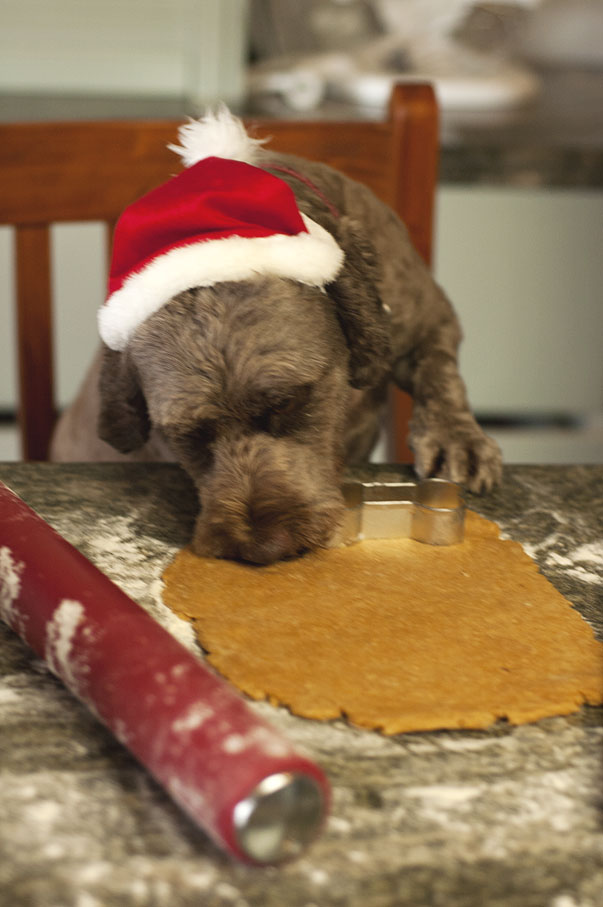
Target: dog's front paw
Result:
[460, 452]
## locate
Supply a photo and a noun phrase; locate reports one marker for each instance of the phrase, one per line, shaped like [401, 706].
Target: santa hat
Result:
[220, 219]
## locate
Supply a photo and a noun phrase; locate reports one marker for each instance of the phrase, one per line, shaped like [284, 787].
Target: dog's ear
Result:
[363, 318]
[123, 420]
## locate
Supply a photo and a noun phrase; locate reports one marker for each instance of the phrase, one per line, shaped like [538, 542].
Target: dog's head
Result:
[247, 382]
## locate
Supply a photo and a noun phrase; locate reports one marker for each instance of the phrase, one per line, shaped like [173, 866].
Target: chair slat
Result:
[413, 114]
[34, 340]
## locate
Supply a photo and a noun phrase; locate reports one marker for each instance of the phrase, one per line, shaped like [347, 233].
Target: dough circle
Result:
[395, 635]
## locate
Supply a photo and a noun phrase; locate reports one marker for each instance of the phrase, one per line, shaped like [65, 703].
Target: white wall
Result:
[186, 48]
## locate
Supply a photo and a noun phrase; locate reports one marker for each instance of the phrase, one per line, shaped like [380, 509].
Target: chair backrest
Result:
[91, 171]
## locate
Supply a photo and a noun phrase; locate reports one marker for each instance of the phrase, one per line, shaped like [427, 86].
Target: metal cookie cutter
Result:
[430, 511]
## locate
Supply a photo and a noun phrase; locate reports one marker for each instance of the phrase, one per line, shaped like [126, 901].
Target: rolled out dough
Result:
[394, 634]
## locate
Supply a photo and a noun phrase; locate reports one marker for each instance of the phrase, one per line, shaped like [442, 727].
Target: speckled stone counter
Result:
[511, 816]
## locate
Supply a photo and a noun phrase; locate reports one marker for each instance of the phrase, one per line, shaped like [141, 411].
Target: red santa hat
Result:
[220, 219]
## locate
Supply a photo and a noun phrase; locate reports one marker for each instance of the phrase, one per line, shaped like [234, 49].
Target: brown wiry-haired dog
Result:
[263, 386]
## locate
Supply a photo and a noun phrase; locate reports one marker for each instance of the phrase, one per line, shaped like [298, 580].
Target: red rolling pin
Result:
[229, 770]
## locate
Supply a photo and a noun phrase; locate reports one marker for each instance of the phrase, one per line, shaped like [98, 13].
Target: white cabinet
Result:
[524, 269]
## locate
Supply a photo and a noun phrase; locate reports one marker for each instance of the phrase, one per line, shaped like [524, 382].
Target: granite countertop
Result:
[554, 141]
[509, 816]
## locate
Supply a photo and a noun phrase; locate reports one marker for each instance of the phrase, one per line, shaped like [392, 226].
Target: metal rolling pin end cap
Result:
[280, 816]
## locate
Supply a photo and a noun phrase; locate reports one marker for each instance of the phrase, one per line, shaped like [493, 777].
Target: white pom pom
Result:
[217, 134]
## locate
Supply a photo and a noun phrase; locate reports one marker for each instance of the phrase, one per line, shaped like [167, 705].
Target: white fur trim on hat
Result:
[312, 258]
[217, 134]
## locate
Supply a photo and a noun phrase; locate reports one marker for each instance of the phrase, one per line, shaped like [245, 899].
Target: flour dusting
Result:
[265, 739]
[583, 562]
[444, 796]
[180, 629]
[191, 798]
[590, 554]
[8, 696]
[193, 718]
[133, 563]
[10, 584]
[60, 632]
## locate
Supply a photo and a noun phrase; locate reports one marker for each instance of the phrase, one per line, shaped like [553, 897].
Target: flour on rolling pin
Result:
[230, 770]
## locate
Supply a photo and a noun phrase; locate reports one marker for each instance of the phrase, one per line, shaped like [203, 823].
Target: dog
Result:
[263, 376]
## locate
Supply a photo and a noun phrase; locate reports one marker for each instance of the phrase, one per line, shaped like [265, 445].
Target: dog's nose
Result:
[272, 545]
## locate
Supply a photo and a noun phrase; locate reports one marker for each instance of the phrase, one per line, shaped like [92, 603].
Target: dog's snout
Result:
[265, 500]
[273, 533]
[259, 532]
[275, 545]
[258, 542]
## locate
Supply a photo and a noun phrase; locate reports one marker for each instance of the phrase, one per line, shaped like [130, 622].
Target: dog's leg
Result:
[444, 435]
[425, 335]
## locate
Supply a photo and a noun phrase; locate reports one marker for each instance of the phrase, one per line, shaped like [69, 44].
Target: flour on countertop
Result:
[264, 738]
[591, 554]
[135, 564]
[574, 561]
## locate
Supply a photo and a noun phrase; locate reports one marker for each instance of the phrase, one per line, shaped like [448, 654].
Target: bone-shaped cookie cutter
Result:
[430, 511]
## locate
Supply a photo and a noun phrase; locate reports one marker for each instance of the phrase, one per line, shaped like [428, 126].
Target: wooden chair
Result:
[90, 171]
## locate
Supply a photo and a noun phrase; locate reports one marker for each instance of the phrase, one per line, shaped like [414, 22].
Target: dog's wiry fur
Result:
[262, 390]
